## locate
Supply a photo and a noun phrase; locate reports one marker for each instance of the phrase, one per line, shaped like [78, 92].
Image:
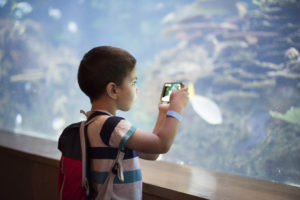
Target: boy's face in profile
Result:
[128, 91]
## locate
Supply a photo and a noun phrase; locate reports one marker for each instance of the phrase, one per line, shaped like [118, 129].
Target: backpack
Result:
[73, 174]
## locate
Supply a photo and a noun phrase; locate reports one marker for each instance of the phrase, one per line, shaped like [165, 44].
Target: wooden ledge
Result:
[205, 184]
[162, 180]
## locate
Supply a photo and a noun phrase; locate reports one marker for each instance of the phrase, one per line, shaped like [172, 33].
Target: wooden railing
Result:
[29, 171]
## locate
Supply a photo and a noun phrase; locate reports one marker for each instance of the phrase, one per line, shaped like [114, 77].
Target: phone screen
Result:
[167, 90]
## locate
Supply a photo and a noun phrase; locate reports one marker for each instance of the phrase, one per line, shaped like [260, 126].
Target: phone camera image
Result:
[167, 90]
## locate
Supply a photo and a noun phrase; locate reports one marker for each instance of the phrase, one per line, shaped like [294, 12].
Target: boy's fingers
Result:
[185, 90]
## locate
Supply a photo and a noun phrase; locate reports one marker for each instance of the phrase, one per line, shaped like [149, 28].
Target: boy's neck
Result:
[102, 104]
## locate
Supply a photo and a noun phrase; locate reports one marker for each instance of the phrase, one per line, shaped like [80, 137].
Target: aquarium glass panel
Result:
[240, 60]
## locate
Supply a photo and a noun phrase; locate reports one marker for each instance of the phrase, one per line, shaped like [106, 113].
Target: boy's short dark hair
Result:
[102, 65]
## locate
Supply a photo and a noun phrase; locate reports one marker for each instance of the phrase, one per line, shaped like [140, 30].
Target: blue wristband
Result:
[174, 114]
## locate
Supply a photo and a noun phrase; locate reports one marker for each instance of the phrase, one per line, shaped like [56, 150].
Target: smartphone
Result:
[167, 90]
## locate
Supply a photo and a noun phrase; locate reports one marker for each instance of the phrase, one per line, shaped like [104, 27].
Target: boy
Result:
[108, 76]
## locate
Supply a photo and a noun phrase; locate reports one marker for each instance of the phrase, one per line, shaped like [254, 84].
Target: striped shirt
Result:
[114, 132]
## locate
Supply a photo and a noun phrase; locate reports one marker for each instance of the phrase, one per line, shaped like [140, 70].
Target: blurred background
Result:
[240, 57]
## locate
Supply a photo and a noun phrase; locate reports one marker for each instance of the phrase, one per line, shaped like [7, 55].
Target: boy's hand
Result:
[179, 99]
[163, 108]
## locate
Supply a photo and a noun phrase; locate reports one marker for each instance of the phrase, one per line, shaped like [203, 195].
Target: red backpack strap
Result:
[60, 176]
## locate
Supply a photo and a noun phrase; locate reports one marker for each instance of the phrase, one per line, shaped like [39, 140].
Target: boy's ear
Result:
[111, 90]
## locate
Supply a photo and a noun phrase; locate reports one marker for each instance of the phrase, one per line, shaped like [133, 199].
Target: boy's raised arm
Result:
[163, 108]
[164, 131]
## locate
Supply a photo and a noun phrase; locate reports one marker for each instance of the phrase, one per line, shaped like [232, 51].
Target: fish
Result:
[29, 75]
[291, 53]
[291, 116]
[242, 8]
[72, 27]
[2, 3]
[54, 13]
[18, 119]
[168, 18]
[206, 108]
[22, 8]
[58, 123]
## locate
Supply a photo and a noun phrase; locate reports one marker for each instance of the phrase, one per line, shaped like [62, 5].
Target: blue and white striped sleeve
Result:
[120, 134]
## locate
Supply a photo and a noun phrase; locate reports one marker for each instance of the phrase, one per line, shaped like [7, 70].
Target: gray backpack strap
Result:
[106, 189]
[116, 168]
[85, 182]
[83, 159]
